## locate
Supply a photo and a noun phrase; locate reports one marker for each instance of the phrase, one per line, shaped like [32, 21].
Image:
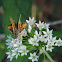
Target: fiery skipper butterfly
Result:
[16, 28]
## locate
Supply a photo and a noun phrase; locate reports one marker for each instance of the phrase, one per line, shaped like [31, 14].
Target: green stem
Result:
[49, 57]
[27, 35]
[44, 56]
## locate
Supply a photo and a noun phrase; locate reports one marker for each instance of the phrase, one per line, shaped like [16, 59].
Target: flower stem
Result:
[48, 56]
[44, 56]
[27, 35]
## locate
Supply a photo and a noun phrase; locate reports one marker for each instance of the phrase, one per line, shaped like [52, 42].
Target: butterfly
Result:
[16, 28]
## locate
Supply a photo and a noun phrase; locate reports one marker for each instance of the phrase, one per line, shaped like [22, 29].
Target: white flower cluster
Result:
[40, 40]
[15, 47]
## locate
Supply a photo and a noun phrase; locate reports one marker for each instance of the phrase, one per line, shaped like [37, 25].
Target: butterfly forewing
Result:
[23, 25]
[10, 28]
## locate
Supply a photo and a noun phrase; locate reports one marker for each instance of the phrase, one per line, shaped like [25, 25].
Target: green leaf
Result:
[2, 54]
[32, 32]
[48, 56]
[2, 46]
[24, 7]
[20, 59]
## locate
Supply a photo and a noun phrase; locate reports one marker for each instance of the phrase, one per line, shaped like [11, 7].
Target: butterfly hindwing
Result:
[23, 25]
[10, 27]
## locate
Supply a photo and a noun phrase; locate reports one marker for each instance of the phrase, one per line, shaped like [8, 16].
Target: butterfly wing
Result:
[23, 26]
[13, 24]
[10, 28]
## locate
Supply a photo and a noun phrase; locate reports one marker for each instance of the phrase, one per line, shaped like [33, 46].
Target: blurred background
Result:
[49, 11]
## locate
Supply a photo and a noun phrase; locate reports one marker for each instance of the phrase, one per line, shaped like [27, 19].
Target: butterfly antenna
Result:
[19, 17]
[19, 23]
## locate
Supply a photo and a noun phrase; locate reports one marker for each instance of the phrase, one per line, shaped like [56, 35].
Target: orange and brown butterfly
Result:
[16, 28]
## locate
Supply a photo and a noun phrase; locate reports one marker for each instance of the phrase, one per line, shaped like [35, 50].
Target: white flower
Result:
[23, 33]
[34, 41]
[42, 50]
[30, 41]
[20, 37]
[46, 26]
[40, 25]
[9, 55]
[49, 47]
[10, 44]
[31, 21]
[9, 40]
[13, 43]
[48, 33]
[15, 47]
[18, 44]
[15, 52]
[58, 42]
[52, 40]
[42, 39]
[36, 33]
[23, 50]
[33, 57]
[29, 28]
